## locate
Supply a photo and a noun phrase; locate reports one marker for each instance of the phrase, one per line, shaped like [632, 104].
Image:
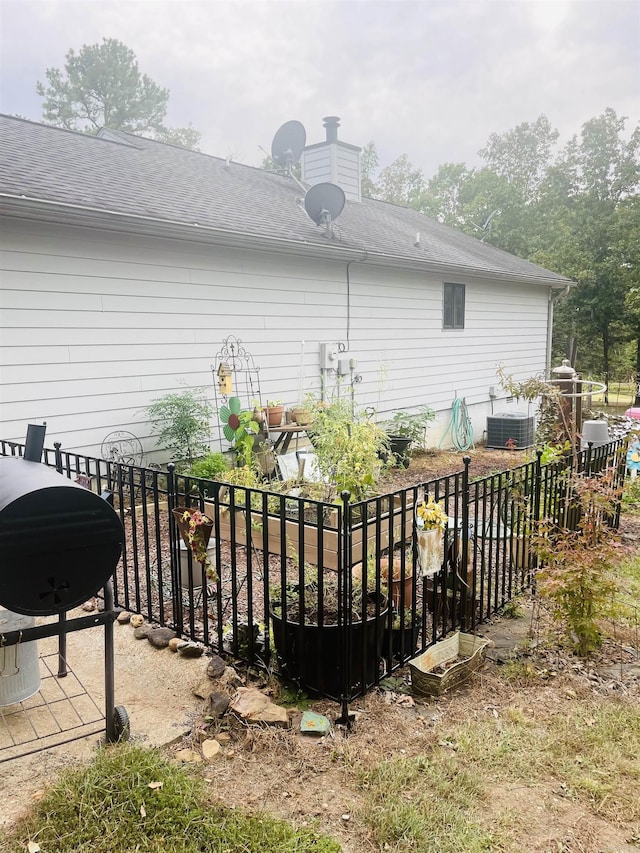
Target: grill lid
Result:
[59, 542]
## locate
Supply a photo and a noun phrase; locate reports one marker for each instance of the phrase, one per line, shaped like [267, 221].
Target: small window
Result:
[453, 306]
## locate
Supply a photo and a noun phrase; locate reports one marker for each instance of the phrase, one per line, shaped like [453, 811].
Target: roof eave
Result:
[68, 214]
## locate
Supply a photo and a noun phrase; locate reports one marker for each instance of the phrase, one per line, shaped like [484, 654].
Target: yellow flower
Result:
[431, 514]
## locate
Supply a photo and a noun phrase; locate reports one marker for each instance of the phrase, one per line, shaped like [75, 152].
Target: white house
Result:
[126, 263]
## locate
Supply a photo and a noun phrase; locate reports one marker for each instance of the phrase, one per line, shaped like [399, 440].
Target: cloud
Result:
[431, 79]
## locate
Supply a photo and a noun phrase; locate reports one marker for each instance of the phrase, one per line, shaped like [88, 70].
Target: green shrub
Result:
[210, 467]
[181, 422]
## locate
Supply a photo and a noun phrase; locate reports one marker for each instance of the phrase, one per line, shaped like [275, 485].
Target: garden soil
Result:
[309, 779]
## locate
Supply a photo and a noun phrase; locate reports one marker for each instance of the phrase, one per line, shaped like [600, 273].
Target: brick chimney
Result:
[333, 161]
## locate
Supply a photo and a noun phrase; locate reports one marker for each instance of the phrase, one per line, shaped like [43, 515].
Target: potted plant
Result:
[348, 444]
[405, 430]
[275, 412]
[431, 520]
[391, 575]
[195, 529]
[308, 636]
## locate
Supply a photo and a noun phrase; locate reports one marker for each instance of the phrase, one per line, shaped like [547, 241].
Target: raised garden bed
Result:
[314, 537]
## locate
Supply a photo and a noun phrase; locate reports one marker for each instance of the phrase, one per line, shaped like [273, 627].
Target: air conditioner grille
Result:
[513, 430]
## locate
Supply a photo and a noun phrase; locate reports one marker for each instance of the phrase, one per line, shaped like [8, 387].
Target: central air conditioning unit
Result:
[512, 430]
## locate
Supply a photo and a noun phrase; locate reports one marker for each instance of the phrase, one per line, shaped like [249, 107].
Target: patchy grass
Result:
[586, 752]
[134, 799]
[420, 804]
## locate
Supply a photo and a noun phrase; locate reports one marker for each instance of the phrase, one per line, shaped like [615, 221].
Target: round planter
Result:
[274, 415]
[400, 447]
[301, 416]
[312, 656]
[397, 585]
[404, 641]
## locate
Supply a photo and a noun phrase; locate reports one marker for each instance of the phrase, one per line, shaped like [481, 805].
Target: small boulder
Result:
[190, 650]
[215, 667]
[124, 617]
[174, 643]
[160, 637]
[216, 704]
[142, 632]
[254, 707]
[136, 620]
[210, 748]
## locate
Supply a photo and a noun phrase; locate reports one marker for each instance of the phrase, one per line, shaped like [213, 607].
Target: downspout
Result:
[552, 301]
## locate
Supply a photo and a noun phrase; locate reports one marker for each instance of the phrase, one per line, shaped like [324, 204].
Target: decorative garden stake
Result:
[431, 519]
[195, 529]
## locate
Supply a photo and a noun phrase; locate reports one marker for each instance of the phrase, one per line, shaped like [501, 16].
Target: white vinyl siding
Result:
[95, 325]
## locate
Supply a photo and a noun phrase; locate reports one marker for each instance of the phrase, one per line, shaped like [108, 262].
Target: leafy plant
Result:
[411, 425]
[577, 576]
[210, 467]
[181, 422]
[348, 446]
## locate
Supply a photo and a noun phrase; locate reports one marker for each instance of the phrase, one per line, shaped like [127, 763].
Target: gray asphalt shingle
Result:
[130, 175]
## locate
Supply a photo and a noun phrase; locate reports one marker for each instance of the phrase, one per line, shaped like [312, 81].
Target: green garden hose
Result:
[460, 428]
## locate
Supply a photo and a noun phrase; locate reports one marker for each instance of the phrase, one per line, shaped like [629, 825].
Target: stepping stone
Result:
[313, 723]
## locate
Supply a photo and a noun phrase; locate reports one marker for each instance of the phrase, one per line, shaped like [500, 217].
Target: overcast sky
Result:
[430, 79]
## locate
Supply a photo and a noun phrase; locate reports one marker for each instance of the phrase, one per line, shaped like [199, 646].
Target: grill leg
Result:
[62, 646]
[109, 686]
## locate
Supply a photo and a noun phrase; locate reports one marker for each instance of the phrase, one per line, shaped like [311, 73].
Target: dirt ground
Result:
[304, 778]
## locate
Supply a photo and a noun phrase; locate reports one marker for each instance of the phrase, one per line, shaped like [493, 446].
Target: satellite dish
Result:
[288, 144]
[324, 203]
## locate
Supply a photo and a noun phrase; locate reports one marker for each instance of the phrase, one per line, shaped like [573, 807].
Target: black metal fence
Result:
[335, 597]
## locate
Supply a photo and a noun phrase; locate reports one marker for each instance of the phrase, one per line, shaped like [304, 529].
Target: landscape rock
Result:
[188, 755]
[142, 632]
[124, 617]
[215, 667]
[210, 748]
[136, 620]
[190, 650]
[313, 723]
[254, 707]
[160, 637]
[174, 643]
[216, 704]
[230, 679]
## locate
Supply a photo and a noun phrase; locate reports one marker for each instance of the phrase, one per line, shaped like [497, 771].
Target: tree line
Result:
[575, 210]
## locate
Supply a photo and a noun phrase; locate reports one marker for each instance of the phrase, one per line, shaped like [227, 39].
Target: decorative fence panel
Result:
[338, 595]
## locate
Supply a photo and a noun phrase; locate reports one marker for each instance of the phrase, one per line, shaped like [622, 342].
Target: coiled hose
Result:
[460, 429]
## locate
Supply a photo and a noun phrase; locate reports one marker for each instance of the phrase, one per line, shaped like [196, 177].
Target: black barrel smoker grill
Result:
[59, 546]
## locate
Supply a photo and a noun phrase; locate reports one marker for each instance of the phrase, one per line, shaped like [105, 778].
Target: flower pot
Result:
[312, 655]
[397, 584]
[301, 416]
[400, 446]
[274, 415]
[404, 641]
[447, 663]
[430, 550]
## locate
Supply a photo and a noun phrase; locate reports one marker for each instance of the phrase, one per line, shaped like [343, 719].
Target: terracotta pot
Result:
[274, 415]
[397, 584]
[300, 416]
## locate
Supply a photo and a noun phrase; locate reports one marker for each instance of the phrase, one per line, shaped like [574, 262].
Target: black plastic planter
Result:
[404, 641]
[400, 447]
[312, 655]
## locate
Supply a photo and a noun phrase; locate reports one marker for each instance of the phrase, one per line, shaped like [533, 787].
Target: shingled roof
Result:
[56, 171]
